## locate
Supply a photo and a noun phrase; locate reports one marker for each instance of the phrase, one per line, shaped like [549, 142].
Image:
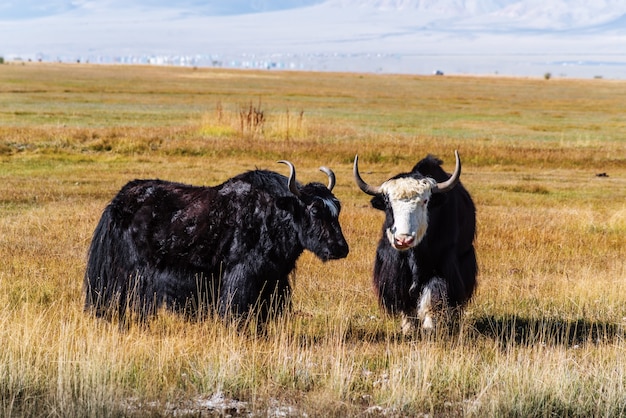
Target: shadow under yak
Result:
[508, 330]
[513, 329]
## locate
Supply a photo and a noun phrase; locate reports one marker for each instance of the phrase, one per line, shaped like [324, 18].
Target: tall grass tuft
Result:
[251, 122]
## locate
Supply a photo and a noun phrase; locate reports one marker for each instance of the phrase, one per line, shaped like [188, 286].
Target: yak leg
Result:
[432, 307]
[244, 292]
[236, 295]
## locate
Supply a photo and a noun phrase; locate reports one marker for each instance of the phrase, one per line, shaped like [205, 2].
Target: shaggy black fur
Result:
[447, 250]
[193, 249]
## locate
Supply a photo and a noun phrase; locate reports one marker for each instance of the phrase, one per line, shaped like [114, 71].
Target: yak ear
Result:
[378, 202]
[287, 203]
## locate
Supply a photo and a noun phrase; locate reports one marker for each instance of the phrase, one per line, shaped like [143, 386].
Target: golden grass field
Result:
[544, 335]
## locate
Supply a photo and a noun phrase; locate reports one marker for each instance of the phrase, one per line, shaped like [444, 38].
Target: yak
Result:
[425, 267]
[228, 249]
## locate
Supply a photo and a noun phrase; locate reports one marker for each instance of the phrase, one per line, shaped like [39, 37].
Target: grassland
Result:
[544, 335]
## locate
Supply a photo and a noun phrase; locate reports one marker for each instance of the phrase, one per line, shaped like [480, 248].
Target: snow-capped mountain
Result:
[517, 37]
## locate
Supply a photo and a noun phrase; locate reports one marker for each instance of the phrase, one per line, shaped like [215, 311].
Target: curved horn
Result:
[366, 188]
[292, 178]
[331, 177]
[453, 180]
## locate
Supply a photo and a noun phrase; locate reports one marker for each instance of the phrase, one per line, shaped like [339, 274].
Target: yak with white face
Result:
[425, 261]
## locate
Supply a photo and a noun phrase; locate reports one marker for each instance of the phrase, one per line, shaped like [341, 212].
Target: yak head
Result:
[404, 199]
[316, 214]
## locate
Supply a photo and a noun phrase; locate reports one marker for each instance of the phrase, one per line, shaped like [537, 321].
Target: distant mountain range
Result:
[518, 37]
[545, 14]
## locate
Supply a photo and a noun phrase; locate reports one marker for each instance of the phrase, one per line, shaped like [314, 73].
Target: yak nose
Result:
[337, 253]
[343, 250]
[404, 241]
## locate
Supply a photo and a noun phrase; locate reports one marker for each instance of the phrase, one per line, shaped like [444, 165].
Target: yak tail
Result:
[105, 282]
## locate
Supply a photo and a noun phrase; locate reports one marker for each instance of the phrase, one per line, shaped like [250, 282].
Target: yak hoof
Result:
[412, 325]
[428, 324]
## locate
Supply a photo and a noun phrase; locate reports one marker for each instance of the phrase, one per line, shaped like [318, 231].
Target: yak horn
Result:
[331, 177]
[366, 188]
[453, 180]
[293, 188]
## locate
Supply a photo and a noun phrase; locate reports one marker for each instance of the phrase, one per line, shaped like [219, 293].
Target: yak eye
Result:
[425, 202]
[314, 210]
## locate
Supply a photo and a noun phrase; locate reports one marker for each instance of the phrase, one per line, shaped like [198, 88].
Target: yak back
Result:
[430, 166]
[177, 225]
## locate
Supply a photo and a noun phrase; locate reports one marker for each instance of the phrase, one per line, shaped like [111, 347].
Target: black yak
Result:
[229, 248]
[425, 267]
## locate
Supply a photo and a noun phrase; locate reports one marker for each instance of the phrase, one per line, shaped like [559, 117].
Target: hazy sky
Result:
[517, 37]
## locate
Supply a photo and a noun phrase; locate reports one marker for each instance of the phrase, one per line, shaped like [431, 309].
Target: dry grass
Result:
[543, 337]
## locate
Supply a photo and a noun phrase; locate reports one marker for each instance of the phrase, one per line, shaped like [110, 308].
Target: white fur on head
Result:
[408, 198]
